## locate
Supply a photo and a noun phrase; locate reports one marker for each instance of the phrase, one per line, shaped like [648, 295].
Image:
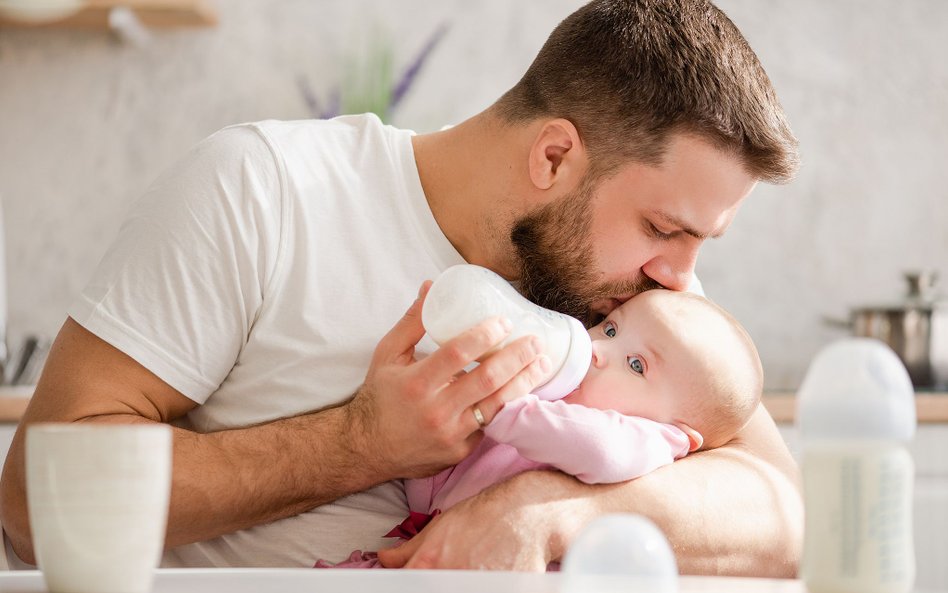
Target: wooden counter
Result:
[930, 407]
[13, 402]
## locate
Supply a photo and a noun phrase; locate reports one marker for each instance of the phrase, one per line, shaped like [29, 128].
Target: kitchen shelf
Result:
[151, 13]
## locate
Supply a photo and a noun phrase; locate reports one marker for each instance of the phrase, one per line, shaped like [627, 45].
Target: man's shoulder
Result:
[340, 143]
[315, 131]
[695, 286]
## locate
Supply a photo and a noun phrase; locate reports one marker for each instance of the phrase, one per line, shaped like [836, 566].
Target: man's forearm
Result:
[726, 511]
[409, 418]
[230, 480]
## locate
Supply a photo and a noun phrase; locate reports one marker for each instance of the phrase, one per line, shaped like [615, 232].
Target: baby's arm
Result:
[596, 446]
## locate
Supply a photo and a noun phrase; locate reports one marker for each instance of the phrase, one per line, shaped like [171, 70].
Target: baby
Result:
[671, 373]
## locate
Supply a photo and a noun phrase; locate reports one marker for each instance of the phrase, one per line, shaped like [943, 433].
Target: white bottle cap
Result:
[575, 365]
[622, 553]
[857, 388]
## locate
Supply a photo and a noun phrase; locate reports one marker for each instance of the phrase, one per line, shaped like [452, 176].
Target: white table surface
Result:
[307, 580]
[402, 581]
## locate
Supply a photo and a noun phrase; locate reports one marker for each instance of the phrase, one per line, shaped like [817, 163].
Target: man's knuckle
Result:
[525, 354]
[427, 558]
[494, 401]
[456, 355]
[446, 440]
[437, 427]
[443, 444]
[430, 422]
[535, 374]
[460, 452]
[415, 387]
[482, 332]
[490, 378]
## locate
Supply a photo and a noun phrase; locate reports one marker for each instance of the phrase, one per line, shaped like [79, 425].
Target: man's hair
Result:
[629, 73]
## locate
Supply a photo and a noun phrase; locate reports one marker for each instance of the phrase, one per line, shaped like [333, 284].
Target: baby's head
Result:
[676, 358]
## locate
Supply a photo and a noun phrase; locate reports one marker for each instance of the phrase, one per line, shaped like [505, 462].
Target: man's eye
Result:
[609, 329]
[636, 364]
[659, 234]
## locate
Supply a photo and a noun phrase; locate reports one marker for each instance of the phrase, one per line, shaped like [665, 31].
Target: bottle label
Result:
[858, 529]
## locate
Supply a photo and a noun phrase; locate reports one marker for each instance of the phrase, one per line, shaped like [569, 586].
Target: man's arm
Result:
[735, 510]
[409, 418]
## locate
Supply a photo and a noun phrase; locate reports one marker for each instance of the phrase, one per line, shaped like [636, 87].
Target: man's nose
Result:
[674, 269]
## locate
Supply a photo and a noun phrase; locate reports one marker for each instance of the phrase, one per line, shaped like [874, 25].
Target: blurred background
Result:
[90, 115]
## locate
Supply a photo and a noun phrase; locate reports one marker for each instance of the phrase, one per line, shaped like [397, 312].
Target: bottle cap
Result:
[620, 552]
[857, 388]
[575, 365]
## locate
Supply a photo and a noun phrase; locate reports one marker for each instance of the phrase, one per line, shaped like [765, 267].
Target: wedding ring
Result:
[479, 417]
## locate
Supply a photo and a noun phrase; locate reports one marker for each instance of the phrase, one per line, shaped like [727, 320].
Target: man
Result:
[245, 296]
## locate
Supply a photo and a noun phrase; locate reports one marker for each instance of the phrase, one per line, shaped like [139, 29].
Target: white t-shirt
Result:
[256, 277]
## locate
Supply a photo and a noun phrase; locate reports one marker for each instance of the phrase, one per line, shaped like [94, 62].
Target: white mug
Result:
[98, 503]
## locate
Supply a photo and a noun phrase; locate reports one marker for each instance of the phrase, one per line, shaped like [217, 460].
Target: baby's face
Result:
[642, 362]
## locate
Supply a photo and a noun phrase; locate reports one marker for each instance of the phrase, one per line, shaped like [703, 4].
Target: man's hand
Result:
[497, 530]
[735, 510]
[413, 418]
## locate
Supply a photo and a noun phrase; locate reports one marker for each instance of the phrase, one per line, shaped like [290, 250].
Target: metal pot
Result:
[916, 329]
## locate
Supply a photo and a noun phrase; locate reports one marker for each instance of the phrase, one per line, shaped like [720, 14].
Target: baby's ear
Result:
[695, 440]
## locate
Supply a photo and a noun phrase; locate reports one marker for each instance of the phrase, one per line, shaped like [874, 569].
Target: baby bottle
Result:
[464, 295]
[856, 415]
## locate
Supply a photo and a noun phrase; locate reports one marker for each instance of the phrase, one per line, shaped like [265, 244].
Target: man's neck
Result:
[473, 178]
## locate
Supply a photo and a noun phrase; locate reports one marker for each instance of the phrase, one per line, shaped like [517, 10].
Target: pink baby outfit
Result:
[596, 446]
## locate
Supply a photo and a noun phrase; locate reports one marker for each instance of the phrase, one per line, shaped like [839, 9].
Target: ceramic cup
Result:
[98, 503]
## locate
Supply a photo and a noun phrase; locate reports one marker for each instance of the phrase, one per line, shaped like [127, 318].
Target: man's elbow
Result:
[14, 516]
[784, 557]
[781, 541]
[767, 536]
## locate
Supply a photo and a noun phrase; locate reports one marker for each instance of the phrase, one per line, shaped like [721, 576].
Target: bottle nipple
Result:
[857, 388]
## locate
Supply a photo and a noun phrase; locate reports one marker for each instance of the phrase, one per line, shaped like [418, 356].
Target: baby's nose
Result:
[599, 356]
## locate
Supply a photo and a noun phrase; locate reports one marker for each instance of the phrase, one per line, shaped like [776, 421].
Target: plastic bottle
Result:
[620, 553]
[464, 295]
[856, 416]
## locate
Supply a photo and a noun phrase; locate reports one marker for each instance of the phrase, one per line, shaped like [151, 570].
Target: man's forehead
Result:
[696, 187]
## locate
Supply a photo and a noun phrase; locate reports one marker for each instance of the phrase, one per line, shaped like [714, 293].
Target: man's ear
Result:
[557, 154]
[695, 440]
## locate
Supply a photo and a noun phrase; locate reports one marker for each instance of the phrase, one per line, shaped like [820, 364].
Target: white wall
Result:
[86, 123]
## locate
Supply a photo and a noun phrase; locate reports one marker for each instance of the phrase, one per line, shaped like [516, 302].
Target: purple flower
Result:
[411, 72]
[333, 104]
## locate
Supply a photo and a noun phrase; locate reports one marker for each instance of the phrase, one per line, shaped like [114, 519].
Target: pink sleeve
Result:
[596, 446]
[421, 492]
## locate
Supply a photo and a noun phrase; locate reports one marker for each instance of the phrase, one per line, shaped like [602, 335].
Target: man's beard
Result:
[555, 253]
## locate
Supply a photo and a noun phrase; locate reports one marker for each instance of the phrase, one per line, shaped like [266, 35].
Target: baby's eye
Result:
[636, 364]
[609, 329]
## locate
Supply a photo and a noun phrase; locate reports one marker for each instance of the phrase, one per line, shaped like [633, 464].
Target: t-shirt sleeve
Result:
[695, 286]
[181, 285]
[596, 446]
